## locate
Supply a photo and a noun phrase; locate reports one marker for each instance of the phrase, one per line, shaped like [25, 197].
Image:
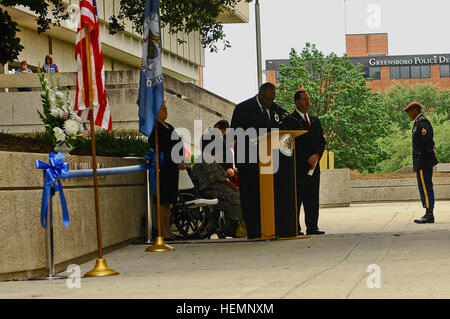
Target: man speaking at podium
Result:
[258, 112]
[309, 149]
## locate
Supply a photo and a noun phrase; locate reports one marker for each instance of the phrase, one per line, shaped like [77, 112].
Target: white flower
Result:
[52, 99]
[59, 134]
[71, 127]
[60, 95]
[56, 111]
[75, 117]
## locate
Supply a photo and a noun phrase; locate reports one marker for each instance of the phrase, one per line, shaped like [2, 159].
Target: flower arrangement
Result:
[61, 122]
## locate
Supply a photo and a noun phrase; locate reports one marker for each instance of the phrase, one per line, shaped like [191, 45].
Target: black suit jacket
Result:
[308, 143]
[247, 115]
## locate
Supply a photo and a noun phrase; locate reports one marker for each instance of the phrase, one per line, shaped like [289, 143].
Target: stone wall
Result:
[404, 189]
[335, 188]
[22, 238]
[186, 102]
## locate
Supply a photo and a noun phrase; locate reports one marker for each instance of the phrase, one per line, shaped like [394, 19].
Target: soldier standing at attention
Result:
[424, 158]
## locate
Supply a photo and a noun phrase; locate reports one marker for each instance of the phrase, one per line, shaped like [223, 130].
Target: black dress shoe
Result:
[424, 220]
[300, 233]
[428, 218]
[315, 232]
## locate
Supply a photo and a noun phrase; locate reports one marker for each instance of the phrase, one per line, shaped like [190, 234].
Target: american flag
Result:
[102, 114]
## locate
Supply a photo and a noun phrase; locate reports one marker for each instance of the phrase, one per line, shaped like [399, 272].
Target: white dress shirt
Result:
[304, 115]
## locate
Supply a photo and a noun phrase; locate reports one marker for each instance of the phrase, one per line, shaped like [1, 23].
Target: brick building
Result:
[372, 52]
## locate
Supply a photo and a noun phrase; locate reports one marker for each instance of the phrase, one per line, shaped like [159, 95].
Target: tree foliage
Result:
[48, 12]
[180, 15]
[398, 96]
[398, 144]
[351, 116]
[10, 46]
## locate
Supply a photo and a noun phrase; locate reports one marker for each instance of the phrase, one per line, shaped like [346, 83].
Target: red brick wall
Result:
[358, 45]
[271, 76]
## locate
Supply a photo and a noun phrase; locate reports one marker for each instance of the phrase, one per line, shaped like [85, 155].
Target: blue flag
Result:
[151, 89]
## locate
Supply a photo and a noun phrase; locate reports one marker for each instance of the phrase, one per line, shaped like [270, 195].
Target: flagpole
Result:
[258, 42]
[101, 268]
[159, 244]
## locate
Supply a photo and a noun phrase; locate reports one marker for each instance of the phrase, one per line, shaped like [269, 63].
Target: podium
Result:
[277, 184]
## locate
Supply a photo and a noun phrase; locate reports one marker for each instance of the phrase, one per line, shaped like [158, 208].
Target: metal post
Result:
[345, 18]
[149, 208]
[258, 42]
[50, 251]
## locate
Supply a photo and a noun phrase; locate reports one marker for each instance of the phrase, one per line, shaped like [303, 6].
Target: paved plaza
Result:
[413, 260]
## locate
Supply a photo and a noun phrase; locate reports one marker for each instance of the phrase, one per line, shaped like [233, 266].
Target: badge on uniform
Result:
[424, 131]
[277, 118]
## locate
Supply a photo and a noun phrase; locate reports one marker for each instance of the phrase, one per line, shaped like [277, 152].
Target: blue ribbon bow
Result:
[151, 157]
[53, 171]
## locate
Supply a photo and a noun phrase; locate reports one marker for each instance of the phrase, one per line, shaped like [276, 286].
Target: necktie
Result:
[266, 115]
[307, 121]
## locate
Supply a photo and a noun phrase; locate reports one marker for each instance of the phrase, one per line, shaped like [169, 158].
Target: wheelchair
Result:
[193, 217]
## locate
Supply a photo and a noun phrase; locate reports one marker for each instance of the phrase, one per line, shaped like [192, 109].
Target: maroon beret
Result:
[413, 105]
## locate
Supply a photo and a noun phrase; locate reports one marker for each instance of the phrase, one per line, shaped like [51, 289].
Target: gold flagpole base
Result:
[101, 269]
[159, 245]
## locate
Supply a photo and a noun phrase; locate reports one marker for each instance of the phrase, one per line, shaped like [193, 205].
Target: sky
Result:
[413, 27]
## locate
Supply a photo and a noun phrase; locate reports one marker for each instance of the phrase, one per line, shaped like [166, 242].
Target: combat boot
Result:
[427, 218]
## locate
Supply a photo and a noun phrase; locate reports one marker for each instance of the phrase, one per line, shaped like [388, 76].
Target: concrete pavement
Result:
[414, 262]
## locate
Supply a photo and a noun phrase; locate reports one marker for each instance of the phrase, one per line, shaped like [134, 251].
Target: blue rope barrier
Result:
[107, 171]
[57, 169]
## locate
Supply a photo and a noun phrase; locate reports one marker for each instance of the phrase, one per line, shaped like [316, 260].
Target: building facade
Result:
[371, 51]
[122, 51]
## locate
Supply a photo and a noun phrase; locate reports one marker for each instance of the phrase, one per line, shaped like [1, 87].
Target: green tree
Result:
[398, 143]
[10, 47]
[398, 147]
[178, 15]
[351, 116]
[441, 132]
[436, 105]
[399, 95]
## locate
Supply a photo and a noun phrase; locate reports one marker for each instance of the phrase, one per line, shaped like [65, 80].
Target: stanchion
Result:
[49, 243]
[160, 244]
[149, 209]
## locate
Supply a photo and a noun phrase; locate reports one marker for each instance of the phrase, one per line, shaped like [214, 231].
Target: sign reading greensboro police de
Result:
[442, 59]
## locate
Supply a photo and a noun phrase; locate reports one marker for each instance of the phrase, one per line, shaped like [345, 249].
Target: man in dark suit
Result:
[309, 149]
[424, 158]
[256, 114]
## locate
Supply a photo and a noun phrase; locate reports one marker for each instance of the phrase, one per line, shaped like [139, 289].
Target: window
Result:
[278, 76]
[395, 72]
[365, 70]
[404, 72]
[410, 72]
[375, 73]
[445, 70]
[415, 72]
[425, 71]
